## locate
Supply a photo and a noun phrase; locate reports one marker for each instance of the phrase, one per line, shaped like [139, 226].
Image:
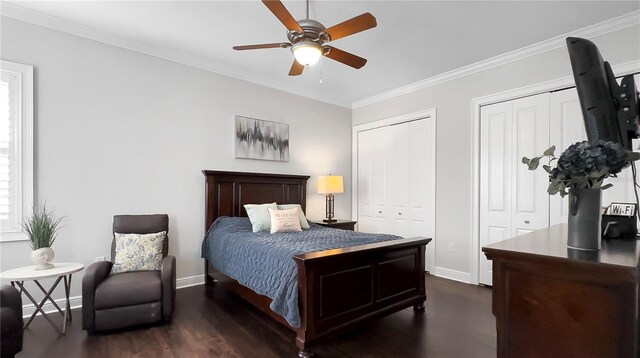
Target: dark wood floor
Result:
[211, 323]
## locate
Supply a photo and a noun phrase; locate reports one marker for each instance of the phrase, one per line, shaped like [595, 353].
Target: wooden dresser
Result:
[552, 301]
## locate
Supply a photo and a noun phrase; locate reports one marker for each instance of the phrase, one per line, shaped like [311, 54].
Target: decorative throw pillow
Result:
[259, 216]
[286, 220]
[138, 252]
[303, 219]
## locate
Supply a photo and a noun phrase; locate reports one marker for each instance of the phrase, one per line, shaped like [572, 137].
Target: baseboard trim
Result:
[76, 301]
[27, 310]
[452, 274]
[189, 281]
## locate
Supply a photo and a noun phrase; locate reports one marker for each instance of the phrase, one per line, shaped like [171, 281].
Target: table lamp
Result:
[329, 184]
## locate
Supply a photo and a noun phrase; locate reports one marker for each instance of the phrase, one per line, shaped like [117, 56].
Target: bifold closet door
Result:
[395, 181]
[513, 200]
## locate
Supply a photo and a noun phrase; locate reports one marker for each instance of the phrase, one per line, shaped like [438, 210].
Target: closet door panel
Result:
[421, 185]
[496, 160]
[372, 180]
[380, 178]
[399, 179]
[530, 202]
[365, 171]
[420, 178]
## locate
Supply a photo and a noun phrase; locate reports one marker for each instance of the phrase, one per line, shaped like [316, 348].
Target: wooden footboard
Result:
[341, 288]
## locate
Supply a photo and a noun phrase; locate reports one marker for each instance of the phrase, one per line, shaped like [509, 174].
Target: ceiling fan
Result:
[308, 38]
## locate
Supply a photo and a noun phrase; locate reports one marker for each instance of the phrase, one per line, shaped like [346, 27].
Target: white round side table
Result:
[62, 270]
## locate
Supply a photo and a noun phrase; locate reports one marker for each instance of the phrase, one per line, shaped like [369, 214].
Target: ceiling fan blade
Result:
[347, 58]
[281, 12]
[352, 26]
[296, 69]
[256, 47]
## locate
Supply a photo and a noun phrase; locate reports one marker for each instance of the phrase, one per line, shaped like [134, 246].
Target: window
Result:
[16, 148]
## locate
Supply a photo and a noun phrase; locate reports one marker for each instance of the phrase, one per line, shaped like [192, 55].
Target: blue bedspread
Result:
[263, 261]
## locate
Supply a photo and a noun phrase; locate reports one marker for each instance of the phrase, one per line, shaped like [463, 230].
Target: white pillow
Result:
[259, 216]
[303, 220]
[286, 220]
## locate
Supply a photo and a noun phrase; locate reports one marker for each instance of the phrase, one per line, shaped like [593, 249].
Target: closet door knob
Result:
[527, 221]
[379, 212]
[400, 214]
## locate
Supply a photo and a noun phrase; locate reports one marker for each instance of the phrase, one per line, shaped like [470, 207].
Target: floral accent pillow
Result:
[138, 252]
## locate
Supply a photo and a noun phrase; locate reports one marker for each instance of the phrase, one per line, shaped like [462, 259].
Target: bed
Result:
[336, 288]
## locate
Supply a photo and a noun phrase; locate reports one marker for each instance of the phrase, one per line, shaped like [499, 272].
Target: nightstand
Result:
[339, 224]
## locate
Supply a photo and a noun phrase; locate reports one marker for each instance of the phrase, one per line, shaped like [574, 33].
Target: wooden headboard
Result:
[227, 192]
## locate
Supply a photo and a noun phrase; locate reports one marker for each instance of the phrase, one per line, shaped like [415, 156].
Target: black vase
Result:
[584, 219]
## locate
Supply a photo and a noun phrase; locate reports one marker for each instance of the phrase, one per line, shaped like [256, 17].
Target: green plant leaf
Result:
[525, 160]
[41, 228]
[563, 192]
[604, 171]
[579, 180]
[533, 163]
[606, 186]
[550, 151]
[547, 168]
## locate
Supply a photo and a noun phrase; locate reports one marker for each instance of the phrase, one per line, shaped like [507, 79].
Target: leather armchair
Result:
[11, 321]
[129, 298]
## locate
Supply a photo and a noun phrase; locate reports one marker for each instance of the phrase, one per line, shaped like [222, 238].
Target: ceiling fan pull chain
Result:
[307, 9]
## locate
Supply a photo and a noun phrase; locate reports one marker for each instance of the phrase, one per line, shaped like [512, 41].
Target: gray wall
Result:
[454, 130]
[121, 132]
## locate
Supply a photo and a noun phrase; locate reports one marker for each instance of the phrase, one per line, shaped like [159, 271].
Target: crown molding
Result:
[611, 25]
[70, 27]
[17, 12]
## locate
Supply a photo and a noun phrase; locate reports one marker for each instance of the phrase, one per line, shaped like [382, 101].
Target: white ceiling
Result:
[414, 40]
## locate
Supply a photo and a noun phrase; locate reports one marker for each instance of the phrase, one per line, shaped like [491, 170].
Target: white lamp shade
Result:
[330, 184]
[307, 53]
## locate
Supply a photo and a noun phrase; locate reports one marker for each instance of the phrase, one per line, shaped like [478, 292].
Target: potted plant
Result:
[580, 172]
[42, 229]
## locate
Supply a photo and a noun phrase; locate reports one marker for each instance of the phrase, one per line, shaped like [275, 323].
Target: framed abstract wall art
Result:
[259, 139]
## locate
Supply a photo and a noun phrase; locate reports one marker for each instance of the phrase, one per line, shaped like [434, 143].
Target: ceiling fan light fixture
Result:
[307, 53]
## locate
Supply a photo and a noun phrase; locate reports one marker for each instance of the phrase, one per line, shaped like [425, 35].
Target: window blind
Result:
[9, 150]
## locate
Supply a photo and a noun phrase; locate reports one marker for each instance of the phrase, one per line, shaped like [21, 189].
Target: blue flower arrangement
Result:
[584, 165]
